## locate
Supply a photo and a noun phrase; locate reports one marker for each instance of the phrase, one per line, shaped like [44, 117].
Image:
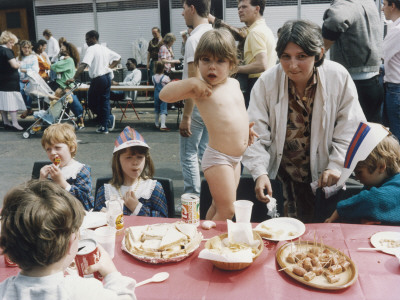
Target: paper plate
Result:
[281, 229]
[94, 219]
[346, 278]
[386, 241]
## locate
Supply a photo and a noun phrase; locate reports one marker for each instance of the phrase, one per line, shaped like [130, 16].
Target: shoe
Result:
[165, 129]
[81, 126]
[173, 107]
[111, 123]
[102, 129]
[8, 126]
[157, 126]
[26, 113]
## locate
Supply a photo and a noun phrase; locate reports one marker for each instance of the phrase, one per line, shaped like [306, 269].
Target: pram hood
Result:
[38, 87]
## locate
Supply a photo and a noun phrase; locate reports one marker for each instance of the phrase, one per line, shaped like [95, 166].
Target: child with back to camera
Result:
[132, 183]
[378, 201]
[59, 141]
[43, 246]
[160, 107]
[221, 105]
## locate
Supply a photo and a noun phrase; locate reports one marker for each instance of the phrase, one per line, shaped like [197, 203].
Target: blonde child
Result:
[379, 172]
[40, 232]
[59, 141]
[160, 107]
[221, 105]
[131, 182]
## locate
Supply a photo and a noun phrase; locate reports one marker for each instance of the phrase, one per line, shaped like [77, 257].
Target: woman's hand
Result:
[130, 200]
[252, 134]
[328, 178]
[263, 183]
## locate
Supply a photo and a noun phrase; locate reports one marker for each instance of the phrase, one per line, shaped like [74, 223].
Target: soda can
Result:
[190, 209]
[88, 254]
[9, 262]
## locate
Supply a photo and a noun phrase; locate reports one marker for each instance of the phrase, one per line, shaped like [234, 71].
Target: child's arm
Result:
[81, 188]
[183, 89]
[44, 172]
[116, 286]
[252, 134]
[333, 217]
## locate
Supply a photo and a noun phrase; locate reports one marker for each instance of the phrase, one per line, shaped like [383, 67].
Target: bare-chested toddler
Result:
[221, 105]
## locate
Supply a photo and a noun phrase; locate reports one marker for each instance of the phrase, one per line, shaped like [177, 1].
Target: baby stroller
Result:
[57, 108]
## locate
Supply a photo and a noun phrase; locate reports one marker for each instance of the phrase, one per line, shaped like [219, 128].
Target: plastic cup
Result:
[243, 211]
[105, 236]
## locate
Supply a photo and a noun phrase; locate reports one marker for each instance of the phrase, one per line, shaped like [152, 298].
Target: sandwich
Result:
[189, 230]
[172, 238]
[156, 231]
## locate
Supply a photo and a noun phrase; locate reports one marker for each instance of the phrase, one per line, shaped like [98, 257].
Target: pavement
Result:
[18, 154]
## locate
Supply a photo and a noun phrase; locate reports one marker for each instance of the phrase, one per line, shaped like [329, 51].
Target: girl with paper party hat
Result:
[131, 181]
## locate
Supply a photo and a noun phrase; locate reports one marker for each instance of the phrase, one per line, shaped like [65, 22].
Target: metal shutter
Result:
[70, 19]
[123, 22]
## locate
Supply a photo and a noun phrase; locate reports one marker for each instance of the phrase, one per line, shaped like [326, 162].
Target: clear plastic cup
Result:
[105, 236]
[243, 210]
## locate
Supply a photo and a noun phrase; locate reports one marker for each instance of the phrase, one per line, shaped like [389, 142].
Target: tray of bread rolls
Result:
[162, 242]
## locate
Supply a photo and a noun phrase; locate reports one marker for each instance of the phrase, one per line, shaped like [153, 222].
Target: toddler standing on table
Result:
[160, 107]
[40, 232]
[374, 154]
[59, 141]
[131, 182]
[221, 105]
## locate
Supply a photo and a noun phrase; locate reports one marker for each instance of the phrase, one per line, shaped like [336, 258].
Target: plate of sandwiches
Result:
[162, 242]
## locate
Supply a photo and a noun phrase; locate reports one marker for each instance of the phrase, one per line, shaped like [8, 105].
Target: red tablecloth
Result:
[194, 278]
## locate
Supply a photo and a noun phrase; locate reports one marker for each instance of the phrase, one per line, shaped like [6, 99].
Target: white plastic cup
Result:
[105, 236]
[243, 210]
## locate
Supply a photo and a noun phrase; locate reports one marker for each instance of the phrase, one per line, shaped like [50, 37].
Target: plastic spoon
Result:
[159, 277]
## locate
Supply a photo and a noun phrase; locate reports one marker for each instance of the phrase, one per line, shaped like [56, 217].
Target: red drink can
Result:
[9, 262]
[190, 209]
[88, 254]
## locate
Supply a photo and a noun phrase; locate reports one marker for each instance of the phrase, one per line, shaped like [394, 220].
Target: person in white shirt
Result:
[53, 47]
[193, 131]
[100, 60]
[44, 246]
[133, 77]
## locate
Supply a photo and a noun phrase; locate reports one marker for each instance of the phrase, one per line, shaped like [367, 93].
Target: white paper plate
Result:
[94, 219]
[281, 229]
[377, 240]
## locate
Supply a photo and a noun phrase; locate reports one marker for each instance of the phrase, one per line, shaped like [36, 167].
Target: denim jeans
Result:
[191, 151]
[27, 98]
[76, 107]
[99, 98]
[392, 107]
[370, 96]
